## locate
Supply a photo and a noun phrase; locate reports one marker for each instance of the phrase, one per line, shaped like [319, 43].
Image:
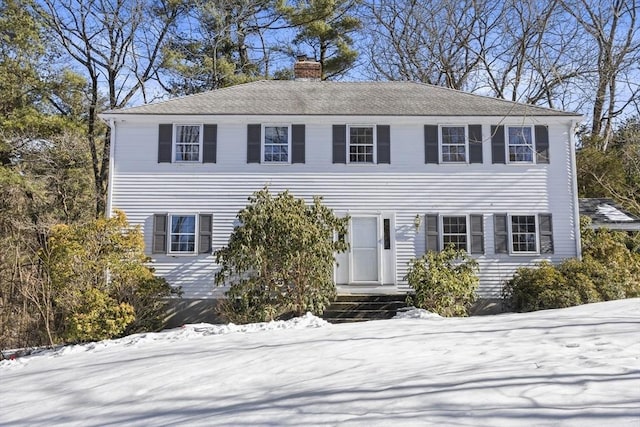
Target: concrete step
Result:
[359, 308]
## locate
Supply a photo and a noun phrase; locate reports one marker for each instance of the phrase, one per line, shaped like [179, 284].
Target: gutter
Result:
[574, 188]
[112, 152]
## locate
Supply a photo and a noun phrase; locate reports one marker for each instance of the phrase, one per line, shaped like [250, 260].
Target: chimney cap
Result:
[301, 57]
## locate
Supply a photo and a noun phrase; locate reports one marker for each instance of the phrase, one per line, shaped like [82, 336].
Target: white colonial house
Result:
[415, 166]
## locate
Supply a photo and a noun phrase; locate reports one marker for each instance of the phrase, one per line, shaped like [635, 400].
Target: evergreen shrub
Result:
[443, 282]
[280, 258]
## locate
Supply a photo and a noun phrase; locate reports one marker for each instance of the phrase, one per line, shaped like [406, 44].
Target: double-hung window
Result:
[454, 231]
[523, 234]
[361, 144]
[182, 237]
[520, 144]
[182, 233]
[454, 144]
[464, 232]
[187, 143]
[277, 144]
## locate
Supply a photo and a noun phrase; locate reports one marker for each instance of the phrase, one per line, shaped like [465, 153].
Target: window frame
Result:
[508, 145]
[170, 233]
[441, 144]
[174, 142]
[374, 145]
[441, 233]
[263, 143]
[535, 233]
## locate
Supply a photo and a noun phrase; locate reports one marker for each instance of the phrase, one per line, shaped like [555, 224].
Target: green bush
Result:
[100, 284]
[609, 269]
[613, 260]
[97, 316]
[539, 288]
[149, 299]
[581, 276]
[443, 282]
[279, 260]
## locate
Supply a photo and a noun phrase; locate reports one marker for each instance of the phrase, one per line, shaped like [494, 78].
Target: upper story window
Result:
[187, 143]
[454, 144]
[520, 144]
[276, 144]
[182, 237]
[361, 144]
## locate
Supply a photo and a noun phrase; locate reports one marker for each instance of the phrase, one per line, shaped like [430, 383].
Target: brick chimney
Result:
[306, 69]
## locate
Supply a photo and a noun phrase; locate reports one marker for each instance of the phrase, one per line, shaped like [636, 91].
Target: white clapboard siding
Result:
[407, 187]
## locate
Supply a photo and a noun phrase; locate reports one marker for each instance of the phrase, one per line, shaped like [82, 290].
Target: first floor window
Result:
[523, 233]
[276, 144]
[520, 144]
[187, 143]
[464, 232]
[454, 231]
[361, 144]
[183, 234]
[453, 144]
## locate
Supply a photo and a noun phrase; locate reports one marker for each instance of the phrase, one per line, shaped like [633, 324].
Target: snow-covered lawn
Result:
[577, 366]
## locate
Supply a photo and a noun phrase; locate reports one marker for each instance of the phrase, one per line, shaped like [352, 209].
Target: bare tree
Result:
[440, 44]
[613, 26]
[531, 56]
[117, 46]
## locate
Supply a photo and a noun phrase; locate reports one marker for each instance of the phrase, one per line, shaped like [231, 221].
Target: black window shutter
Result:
[497, 144]
[165, 140]
[204, 234]
[475, 143]
[431, 231]
[477, 234]
[209, 143]
[542, 144]
[339, 143]
[297, 144]
[431, 154]
[501, 233]
[159, 241]
[546, 233]
[384, 143]
[254, 134]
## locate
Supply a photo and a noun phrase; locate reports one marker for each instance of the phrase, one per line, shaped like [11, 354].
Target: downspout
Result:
[574, 188]
[112, 157]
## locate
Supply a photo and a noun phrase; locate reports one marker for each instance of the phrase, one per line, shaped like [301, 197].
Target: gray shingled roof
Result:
[278, 97]
[607, 213]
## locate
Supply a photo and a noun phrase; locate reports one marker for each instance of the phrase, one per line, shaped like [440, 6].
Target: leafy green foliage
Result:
[279, 260]
[149, 301]
[614, 261]
[539, 288]
[444, 282]
[100, 280]
[615, 171]
[217, 52]
[97, 316]
[325, 26]
[609, 270]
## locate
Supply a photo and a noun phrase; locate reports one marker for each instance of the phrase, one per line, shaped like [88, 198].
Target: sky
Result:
[571, 367]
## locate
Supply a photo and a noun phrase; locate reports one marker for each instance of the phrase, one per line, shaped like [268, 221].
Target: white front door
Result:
[365, 252]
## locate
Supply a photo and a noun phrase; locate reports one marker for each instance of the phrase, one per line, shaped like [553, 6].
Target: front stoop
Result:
[360, 308]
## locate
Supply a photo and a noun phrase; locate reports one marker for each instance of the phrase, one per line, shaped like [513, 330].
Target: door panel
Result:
[364, 249]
